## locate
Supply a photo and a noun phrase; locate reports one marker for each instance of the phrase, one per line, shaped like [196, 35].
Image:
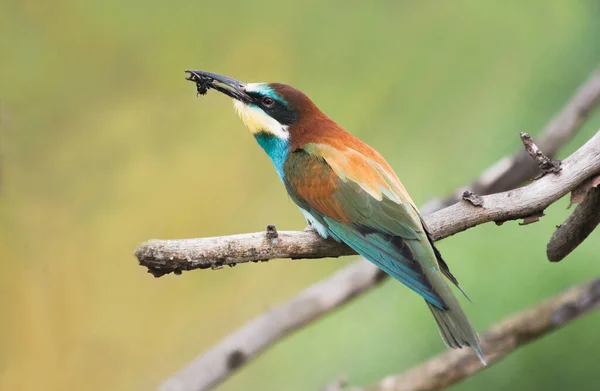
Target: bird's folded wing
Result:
[360, 204]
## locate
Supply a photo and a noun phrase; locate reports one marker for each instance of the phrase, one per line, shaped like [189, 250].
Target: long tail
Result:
[455, 328]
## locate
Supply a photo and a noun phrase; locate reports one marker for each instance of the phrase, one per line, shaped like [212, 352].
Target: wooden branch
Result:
[523, 202]
[215, 365]
[165, 256]
[456, 365]
[174, 256]
[510, 172]
[584, 219]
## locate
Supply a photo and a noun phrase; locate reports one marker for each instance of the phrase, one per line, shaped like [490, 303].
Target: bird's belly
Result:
[320, 228]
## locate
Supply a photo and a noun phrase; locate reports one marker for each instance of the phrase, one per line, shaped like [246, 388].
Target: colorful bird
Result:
[347, 192]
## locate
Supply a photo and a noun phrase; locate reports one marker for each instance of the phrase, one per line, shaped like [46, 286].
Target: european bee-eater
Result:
[347, 192]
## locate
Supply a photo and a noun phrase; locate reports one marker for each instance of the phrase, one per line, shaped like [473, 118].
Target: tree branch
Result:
[455, 365]
[244, 344]
[510, 172]
[165, 256]
[522, 202]
[584, 219]
[174, 256]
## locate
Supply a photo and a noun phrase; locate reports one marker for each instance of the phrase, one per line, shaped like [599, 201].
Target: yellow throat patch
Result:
[256, 120]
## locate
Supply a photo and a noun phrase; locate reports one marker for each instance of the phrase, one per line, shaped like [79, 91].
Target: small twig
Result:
[584, 219]
[505, 337]
[545, 164]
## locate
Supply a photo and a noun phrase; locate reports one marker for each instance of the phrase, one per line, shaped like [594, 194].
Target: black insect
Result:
[203, 83]
[202, 86]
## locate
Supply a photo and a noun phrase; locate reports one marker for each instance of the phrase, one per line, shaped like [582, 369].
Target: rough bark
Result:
[578, 226]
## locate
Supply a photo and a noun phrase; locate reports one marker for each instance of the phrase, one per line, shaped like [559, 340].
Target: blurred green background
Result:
[104, 145]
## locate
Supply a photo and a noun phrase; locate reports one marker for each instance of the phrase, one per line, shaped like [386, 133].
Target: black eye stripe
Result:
[282, 114]
[276, 109]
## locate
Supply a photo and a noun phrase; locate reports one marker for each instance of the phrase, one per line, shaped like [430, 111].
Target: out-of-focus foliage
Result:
[104, 145]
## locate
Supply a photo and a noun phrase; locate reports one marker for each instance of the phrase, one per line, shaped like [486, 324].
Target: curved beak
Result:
[226, 85]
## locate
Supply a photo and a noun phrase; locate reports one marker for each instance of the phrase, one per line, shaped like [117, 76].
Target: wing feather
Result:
[361, 207]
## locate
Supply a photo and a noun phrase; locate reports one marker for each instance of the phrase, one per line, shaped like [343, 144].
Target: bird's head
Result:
[267, 109]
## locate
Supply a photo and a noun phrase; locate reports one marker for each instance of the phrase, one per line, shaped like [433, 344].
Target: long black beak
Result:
[228, 86]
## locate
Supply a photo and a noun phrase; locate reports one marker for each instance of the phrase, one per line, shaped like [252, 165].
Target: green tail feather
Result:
[456, 330]
[454, 326]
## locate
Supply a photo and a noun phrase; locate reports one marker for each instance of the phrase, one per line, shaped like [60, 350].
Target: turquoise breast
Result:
[277, 149]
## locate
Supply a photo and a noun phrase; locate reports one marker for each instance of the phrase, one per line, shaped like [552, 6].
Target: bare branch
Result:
[164, 256]
[217, 363]
[510, 172]
[522, 202]
[453, 366]
[584, 219]
[174, 256]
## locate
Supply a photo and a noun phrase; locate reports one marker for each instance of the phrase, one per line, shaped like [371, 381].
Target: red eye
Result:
[268, 101]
